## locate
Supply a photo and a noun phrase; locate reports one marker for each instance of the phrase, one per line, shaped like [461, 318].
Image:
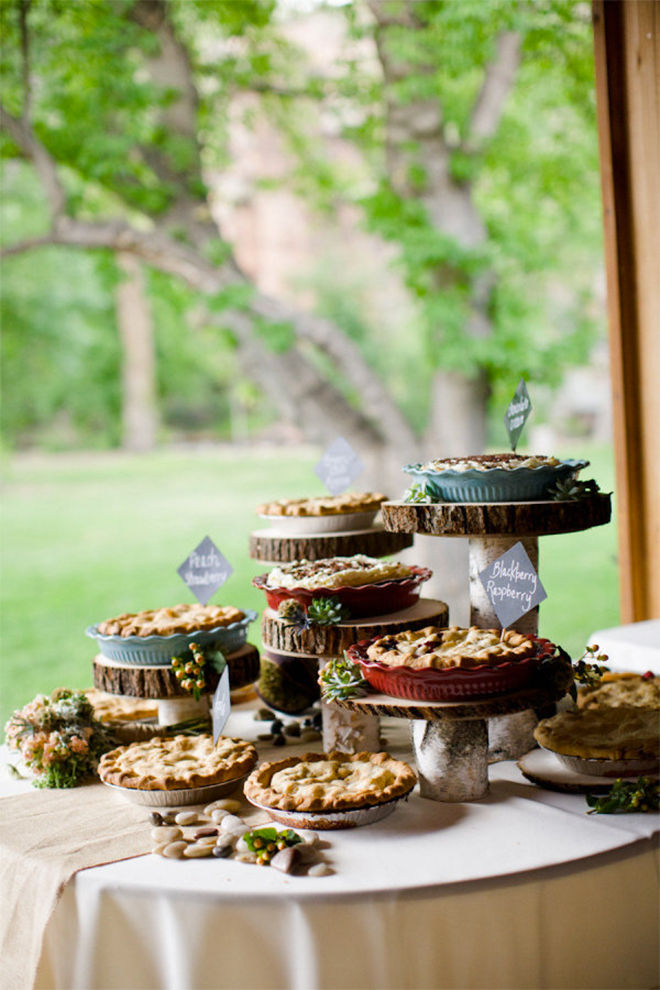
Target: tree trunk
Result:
[138, 373]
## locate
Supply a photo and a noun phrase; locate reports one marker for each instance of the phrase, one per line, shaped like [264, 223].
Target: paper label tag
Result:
[339, 466]
[512, 585]
[221, 705]
[205, 570]
[517, 412]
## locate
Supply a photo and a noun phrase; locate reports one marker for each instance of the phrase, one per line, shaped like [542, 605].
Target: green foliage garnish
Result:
[570, 489]
[340, 678]
[267, 842]
[321, 612]
[589, 669]
[626, 796]
[190, 671]
[416, 494]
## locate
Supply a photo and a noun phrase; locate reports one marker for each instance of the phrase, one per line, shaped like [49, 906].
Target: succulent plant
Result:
[571, 488]
[341, 678]
[321, 612]
[416, 493]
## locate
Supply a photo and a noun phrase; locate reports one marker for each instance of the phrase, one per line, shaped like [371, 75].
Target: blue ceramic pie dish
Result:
[518, 484]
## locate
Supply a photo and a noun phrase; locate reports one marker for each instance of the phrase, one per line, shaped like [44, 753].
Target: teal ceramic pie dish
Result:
[494, 484]
[157, 651]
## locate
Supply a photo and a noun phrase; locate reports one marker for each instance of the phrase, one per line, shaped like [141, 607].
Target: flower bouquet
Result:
[58, 738]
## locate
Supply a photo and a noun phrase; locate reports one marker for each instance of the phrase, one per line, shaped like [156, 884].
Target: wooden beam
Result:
[627, 54]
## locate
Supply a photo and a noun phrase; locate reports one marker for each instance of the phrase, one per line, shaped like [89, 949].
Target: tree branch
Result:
[22, 135]
[496, 86]
[25, 59]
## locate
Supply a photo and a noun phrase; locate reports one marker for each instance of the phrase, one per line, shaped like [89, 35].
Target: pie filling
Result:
[169, 621]
[336, 572]
[177, 762]
[329, 782]
[487, 462]
[624, 690]
[441, 649]
[330, 505]
[602, 733]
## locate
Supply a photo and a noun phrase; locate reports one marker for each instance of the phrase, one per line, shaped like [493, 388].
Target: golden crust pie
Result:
[169, 621]
[486, 462]
[117, 708]
[618, 690]
[328, 505]
[440, 649]
[329, 781]
[602, 733]
[336, 572]
[177, 762]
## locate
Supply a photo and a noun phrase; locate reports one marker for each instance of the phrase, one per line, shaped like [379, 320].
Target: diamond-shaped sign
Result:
[339, 466]
[205, 570]
[517, 412]
[512, 585]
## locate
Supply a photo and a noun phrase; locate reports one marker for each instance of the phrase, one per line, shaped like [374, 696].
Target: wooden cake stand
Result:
[159, 684]
[275, 546]
[450, 738]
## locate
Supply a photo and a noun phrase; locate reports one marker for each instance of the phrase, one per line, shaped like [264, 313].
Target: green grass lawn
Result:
[88, 536]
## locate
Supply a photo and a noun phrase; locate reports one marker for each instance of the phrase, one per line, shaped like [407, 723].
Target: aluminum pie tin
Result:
[180, 796]
[378, 598]
[594, 767]
[157, 651]
[521, 484]
[337, 522]
[453, 683]
[331, 820]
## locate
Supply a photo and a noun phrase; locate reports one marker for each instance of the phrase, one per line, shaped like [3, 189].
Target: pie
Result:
[440, 649]
[170, 621]
[177, 762]
[115, 708]
[329, 782]
[328, 505]
[618, 690]
[602, 733]
[487, 462]
[336, 572]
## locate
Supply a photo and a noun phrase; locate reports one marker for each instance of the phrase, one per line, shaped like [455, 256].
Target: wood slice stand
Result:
[274, 546]
[159, 683]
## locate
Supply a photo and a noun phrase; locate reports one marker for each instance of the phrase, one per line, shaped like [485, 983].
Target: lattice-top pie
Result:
[177, 762]
[336, 572]
[617, 690]
[452, 647]
[325, 505]
[169, 621]
[602, 733]
[329, 781]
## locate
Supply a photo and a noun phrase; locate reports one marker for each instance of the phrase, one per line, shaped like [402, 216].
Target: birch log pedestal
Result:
[276, 547]
[491, 529]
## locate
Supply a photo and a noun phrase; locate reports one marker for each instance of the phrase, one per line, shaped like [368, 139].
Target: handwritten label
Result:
[205, 570]
[512, 585]
[339, 466]
[221, 705]
[517, 412]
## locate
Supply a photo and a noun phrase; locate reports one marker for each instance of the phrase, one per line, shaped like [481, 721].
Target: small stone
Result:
[319, 870]
[206, 840]
[307, 852]
[247, 857]
[276, 726]
[196, 850]
[286, 860]
[214, 806]
[228, 804]
[156, 818]
[226, 840]
[309, 836]
[230, 822]
[169, 817]
[186, 818]
[279, 740]
[218, 814]
[203, 833]
[239, 830]
[221, 852]
[158, 847]
[264, 715]
[309, 735]
[175, 849]
[292, 729]
[241, 845]
[165, 833]
[264, 736]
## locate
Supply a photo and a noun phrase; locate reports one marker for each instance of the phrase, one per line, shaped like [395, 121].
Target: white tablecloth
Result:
[634, 647]
[522, 889]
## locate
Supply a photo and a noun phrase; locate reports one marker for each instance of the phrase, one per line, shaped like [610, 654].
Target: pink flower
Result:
[79, 745]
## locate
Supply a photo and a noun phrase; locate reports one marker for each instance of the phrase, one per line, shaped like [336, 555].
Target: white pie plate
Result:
[325, 820]
[337, 522]
[184, 795]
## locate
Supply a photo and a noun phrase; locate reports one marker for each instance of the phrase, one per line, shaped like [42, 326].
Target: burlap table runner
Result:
[45, 837]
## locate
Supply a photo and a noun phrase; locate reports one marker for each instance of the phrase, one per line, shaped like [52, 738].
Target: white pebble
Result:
[242, 846]
[165, 833]
[196, 850]
[319, 870]
[207, 840]
[186, 818]
[174, 850]
[218, 814]
[307, 835]
[239, 830]
[230, 822]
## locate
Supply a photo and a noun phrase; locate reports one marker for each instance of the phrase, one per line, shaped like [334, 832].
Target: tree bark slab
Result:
[331, 641]
[497, 518]
[280, 548]
[159, 682]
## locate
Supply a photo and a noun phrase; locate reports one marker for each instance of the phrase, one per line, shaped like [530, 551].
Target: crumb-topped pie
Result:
[602, 734]
[336, 572]
[177, 762]
[324, 505]
[625, 689]
[452, 647]
[168, 621]
[327, 782]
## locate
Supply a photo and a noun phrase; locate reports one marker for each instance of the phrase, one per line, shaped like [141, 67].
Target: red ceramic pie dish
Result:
[361, 600]
[454, 683]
